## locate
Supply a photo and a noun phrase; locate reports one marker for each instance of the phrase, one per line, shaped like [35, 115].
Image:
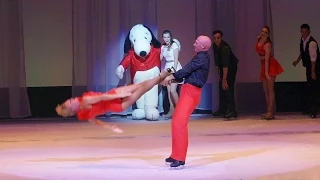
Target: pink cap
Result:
[73, 103]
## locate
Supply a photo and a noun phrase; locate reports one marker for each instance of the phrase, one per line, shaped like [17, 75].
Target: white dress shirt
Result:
[312, 48]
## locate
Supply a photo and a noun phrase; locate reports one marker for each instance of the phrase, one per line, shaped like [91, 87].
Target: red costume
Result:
[141, 64]
[196, 75]
[99, 108]
[190, 97]
[274, 67]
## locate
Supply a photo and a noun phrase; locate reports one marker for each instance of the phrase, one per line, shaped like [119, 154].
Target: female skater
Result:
[170, 52]
[270, 68]
[92, 104]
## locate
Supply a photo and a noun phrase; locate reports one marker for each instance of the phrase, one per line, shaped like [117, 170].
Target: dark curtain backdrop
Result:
[14, 102]
[241, 22]
[99, 28]
[107, 23]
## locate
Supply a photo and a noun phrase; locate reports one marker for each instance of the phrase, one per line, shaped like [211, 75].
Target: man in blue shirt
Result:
[195, 75]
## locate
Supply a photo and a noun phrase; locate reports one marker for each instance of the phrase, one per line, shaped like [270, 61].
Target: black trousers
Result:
[313, 93]
[227, 102]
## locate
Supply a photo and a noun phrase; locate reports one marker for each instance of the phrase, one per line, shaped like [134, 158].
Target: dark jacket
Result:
[223, 55]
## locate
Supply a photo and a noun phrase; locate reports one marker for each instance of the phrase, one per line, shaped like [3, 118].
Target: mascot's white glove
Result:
[120, 71]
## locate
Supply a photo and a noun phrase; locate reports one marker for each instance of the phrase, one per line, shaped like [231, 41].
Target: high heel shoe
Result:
[270, 113]
[269, 117]
[170, 113]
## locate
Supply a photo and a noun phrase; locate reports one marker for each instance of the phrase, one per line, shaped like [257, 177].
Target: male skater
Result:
[196, 75]
[309, 53]
[226, 63]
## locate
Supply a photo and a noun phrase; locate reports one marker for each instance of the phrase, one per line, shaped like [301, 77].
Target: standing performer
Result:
[310, 55]
[170, 52]
[196, 75]
[270, 68]
[93, 104]
[226, 64]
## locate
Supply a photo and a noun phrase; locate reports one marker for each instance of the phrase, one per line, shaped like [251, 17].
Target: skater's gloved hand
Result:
[120, 71]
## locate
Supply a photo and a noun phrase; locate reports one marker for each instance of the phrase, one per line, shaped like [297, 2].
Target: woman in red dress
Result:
[270, 68]
[93, 104]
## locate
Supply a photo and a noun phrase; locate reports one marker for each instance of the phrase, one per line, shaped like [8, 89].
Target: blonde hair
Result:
[64, 111]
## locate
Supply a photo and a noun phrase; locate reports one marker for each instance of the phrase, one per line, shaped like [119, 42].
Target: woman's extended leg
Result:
[143, 88]
[129, 88]
[174, 93]
[169, 96]
[171, 108]
[266, 94]
[173, 98]
[133, 87]
[271, 107]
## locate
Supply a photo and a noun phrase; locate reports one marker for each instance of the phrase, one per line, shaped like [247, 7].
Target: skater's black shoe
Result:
[177, 164]
[218, 113]
[170, 160]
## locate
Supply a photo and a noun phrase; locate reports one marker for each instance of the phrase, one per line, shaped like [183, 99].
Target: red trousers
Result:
[189, 99]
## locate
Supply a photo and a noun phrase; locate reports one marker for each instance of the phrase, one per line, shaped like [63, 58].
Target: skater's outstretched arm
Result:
[98, 122]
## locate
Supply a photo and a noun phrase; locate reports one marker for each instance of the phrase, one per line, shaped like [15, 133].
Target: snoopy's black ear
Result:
[154, 41]
[127, 44]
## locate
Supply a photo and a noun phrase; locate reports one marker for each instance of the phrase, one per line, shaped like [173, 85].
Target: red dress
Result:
[274, 67]
[99, 108]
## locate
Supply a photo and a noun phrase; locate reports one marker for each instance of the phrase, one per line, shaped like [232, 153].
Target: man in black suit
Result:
[310, 56]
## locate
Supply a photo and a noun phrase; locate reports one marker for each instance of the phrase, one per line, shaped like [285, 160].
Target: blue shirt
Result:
[196, 71]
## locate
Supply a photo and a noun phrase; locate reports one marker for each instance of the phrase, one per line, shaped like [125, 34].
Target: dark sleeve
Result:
[215, 55]
[193, 65]
[225, 56]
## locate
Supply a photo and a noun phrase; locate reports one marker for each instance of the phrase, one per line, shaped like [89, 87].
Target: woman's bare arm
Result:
[176, 57]
[98, 122]
[267, 48]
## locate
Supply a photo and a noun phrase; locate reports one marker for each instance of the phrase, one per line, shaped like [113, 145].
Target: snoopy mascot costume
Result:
[142, 55]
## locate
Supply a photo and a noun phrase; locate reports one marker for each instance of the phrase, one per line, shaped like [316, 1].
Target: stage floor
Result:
[284, 149]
